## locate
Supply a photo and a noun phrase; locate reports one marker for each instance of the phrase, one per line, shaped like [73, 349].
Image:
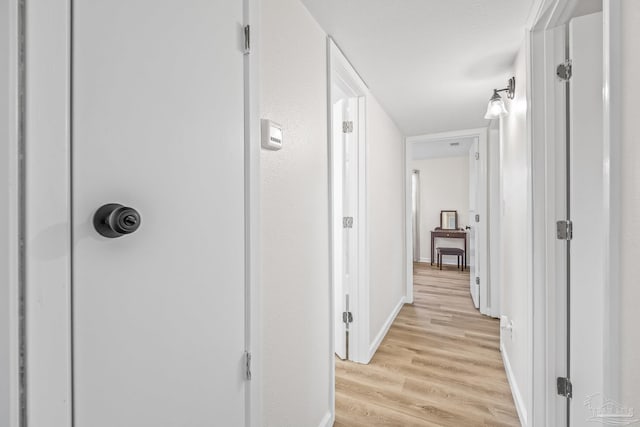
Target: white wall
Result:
[444, 185]
[515, 231]
[386, 216]
[630, 191]
[294, 219]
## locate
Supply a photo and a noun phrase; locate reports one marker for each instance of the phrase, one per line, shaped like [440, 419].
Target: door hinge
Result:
[347, 222]
[477, 280]
[247, 39]
[565, 388]
[347, 317]
[564, 230]
[477, 217]
[347, 127]
[477, 156]
[247, 358]
[564, 71]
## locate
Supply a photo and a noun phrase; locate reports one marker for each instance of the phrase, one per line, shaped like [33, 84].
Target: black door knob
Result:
[114, 220]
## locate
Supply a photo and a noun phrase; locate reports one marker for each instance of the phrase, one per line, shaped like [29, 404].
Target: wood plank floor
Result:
[439, 365]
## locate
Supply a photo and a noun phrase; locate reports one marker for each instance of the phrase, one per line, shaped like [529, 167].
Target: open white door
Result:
[345, 211]
[157, 125]
[586, 208]
[473, 221]
[339, 290]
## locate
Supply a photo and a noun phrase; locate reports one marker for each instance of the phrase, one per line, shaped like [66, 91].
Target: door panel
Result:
[586, 205]
[158, 126]
[350, 209]
[474, 238]
[338, 249]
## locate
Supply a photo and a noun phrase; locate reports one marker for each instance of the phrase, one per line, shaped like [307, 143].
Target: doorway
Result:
[581, 337]
[348, 209]
[454, 177]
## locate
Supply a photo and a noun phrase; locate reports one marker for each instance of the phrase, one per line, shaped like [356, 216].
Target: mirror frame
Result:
[442, 225]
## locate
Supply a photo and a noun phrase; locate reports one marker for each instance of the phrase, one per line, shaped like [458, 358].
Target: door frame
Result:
[11, 230]
[339, 69]
[548, 165]
[45, 321]
[485, 279]
[415, 217]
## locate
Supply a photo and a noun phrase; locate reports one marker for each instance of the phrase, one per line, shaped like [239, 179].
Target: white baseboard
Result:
[327, 420]
[515, 390]
[385, 328]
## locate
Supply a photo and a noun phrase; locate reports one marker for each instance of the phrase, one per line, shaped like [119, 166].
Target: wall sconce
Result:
[496, 106]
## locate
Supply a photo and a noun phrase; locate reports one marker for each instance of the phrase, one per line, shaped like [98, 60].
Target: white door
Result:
[345, 217]
[474, 230]
[339, 293]
[586, 212]
[159, 314]
[415, 213]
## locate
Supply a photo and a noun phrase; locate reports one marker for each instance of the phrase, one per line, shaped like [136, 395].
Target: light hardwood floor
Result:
[439, 365]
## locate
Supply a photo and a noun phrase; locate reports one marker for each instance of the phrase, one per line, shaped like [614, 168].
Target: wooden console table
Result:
[448, 234]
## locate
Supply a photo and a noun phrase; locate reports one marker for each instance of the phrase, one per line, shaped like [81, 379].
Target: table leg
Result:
[465, 251]
[432, 248]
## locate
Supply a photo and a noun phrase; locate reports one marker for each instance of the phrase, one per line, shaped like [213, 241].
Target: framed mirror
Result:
[449, 220]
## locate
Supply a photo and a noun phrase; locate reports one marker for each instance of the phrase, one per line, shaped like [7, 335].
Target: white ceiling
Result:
[432, 64]
[451, 147]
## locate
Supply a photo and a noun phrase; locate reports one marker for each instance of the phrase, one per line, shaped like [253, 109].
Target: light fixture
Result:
[496, 106]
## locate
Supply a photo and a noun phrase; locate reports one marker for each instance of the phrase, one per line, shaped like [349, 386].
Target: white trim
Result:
[483, 225]
[363, 303]
[408, 222]
[328, 419]
[341, 72]
[332, 310]
[11, 182]
[385, 328]
[457, 134]
[253, 313]
[48, 202]
[612, 95]
[521, 408]
[548, 181]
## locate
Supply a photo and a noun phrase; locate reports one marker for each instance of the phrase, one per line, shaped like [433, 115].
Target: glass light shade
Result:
[496, 107]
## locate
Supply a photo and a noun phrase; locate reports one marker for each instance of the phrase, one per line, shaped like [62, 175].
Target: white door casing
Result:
[159, 315]
[346, 84]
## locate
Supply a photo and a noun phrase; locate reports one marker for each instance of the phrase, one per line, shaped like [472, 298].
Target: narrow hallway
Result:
[439, 365]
